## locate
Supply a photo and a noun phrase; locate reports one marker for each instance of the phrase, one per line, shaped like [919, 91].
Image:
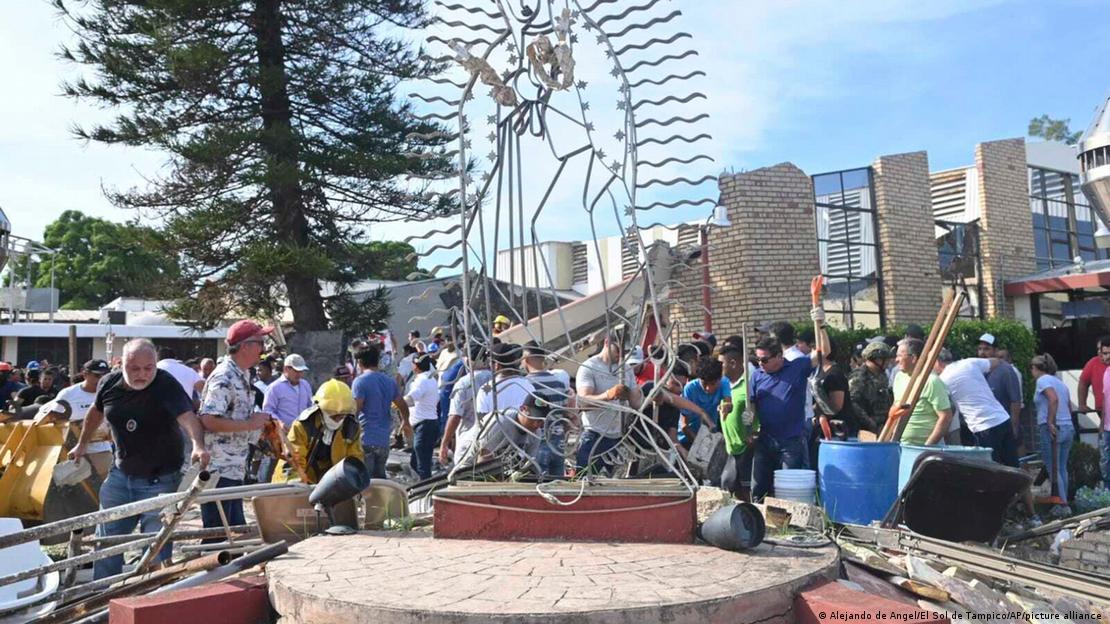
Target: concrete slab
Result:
[410, 578]
[242, 600]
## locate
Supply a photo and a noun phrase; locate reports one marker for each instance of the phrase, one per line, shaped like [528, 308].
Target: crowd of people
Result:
[453, 403]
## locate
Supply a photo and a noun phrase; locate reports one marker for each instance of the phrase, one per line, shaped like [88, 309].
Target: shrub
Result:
[963, 340]
[1011, 335]
[1083, 468]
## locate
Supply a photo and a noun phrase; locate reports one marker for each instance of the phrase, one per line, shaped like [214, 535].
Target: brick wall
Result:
[907, 242]
[760, 266]
[1006, 221]
[1089, 552]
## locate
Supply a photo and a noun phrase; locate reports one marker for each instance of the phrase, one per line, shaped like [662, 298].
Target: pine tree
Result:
[283, 133]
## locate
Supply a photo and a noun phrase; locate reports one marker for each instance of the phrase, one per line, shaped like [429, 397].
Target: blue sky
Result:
[826, 85]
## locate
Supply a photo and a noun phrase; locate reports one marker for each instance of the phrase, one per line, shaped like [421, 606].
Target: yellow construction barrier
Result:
[29, 475]
[16, 432]
[6, 429]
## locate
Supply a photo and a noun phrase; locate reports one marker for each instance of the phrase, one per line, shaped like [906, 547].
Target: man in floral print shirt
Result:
[227, 413]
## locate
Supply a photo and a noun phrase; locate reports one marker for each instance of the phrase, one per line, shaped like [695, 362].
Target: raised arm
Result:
[817, 314]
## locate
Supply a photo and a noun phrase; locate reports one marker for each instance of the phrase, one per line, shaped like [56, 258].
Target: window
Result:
[630, 256]
[54, 350]
[581, 263]
[961, 262]
[846, 226]
[188, 348]
[1063, 222]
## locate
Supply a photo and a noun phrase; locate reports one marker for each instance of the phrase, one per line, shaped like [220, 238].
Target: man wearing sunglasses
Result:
[228, 415]
[779, 393]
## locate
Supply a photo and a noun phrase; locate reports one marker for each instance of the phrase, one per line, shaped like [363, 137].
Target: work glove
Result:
[747, 417]
[817, 315]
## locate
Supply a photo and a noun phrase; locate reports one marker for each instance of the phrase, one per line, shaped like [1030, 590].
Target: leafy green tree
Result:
[99, 260]
[1051, 129]
[283, 133]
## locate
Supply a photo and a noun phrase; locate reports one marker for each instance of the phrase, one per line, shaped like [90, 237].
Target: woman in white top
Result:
[423, 396]
[1054, 424]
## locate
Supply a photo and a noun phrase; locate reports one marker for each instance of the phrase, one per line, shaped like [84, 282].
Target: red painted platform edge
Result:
[833, 603]
[241, 600]
[651, 519]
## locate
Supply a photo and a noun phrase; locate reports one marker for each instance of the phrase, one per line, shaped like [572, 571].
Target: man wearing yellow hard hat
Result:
[500, 324]
[328, 431]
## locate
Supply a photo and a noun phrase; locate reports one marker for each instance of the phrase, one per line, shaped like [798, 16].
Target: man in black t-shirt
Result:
[41, 384]
[146, 409]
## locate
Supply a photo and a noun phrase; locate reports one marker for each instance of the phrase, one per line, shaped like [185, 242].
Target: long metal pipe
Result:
[73, 562]
[241, 492]
[245, 530]
[262, 555]
[231, 550]
[157, 502]
[72, 550]
[253, 543]
[254, 489]
[170, 522]
[90, 519]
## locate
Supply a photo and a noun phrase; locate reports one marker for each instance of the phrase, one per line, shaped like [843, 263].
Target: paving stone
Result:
[417, 579]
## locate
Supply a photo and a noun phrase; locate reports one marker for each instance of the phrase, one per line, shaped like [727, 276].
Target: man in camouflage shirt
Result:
[227, 413]
[869, 388]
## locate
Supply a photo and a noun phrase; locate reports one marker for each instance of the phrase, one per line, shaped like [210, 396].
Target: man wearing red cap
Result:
[227, 412]
[8, 386]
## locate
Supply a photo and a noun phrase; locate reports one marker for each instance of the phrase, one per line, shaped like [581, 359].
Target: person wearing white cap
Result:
[291, 394]
[1004, 381]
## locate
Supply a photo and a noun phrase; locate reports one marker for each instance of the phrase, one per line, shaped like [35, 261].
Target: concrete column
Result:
[761, 265]
[1006, 220]
[907, 240]
[11, 350]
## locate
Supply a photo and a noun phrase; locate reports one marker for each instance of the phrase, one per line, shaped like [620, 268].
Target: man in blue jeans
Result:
[779, 395]
[604, 382]
[146, 409]
[227, 413]
[374, 393]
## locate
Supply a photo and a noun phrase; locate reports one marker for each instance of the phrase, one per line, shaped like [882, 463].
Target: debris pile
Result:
[972, 582]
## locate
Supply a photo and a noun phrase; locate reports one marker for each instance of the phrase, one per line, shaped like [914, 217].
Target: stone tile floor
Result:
[417, 573]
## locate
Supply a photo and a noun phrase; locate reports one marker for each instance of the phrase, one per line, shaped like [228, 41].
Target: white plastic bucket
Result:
[796, 485]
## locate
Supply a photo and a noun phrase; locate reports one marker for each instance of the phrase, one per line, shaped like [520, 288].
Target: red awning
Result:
[1058, 283]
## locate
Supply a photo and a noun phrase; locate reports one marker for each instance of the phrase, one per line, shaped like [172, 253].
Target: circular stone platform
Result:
[397, 578]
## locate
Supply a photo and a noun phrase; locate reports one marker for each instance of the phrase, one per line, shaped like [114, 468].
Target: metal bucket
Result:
[736, 527]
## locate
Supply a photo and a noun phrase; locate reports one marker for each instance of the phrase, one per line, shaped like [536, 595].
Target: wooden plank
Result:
[877, 585]
[918, 588]
[867, 558]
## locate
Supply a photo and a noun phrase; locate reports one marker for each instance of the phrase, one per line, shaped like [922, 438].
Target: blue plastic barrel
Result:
[859, 480]
[910, 453]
